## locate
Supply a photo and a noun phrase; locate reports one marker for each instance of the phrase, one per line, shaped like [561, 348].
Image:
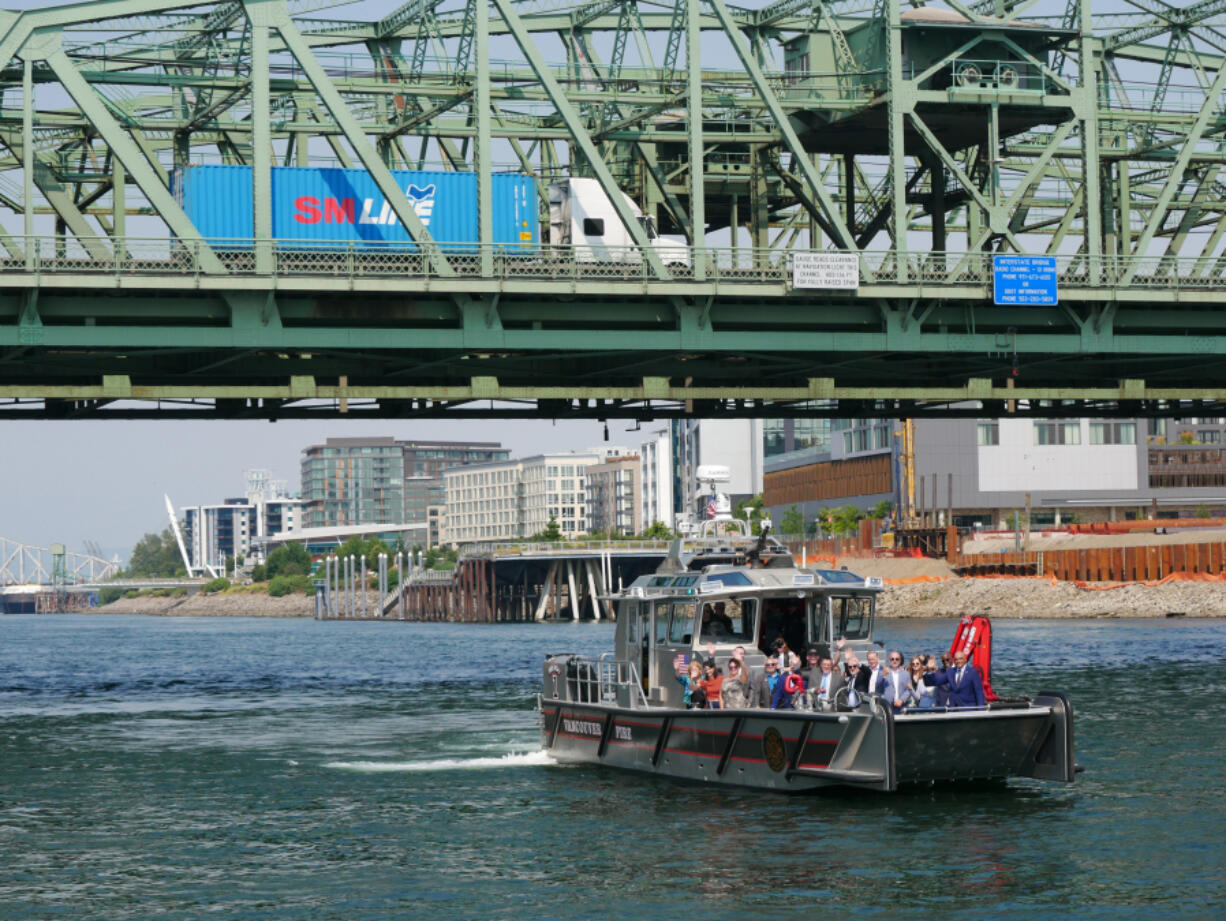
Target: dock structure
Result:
[506, 583]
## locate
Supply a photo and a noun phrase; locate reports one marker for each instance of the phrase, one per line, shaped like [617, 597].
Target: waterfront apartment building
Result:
[216, 535]
[982, 471]
[380, 480]
[656, 476]
[516, 498]
[614, 496]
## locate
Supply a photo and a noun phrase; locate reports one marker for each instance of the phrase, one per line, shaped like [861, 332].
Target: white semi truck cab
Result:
[581, 215]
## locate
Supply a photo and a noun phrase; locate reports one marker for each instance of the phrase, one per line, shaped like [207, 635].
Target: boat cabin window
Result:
[729, 578]
[728, 621]
[783, 617]
[681, 628]
[852, 617]
[637, 630]
[819, 626]
[661, 621]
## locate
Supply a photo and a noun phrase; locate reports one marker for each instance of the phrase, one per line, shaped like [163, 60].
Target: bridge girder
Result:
[1031, 132]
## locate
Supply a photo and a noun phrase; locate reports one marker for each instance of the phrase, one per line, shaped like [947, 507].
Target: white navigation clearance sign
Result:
[837, 271]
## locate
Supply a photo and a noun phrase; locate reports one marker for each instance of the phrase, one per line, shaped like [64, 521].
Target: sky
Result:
[69, 482]
[103, 481]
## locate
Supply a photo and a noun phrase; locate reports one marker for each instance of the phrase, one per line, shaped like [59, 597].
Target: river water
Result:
[252, 768]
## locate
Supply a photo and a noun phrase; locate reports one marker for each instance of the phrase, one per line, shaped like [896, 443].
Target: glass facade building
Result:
[353, 481]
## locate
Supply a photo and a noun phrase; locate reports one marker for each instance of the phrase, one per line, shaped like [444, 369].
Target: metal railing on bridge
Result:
[565, 264]
[564, 547]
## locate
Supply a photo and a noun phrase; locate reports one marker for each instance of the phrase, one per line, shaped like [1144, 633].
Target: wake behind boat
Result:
[726, 590]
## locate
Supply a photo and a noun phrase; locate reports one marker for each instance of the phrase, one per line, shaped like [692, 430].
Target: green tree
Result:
[845, 520]
[551, 533]
[358, 547]
[658, 531]
[793, 521]
[156, 556]
[440, 558]
[107, 595]
[288, 584]
[881, 509]
[287, 560]
[753, 509]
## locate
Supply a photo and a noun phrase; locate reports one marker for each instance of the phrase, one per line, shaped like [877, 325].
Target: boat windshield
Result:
[783, 618]
[853, 616]
[728, 621]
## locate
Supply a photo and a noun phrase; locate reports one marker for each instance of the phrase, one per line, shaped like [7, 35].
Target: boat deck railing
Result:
[607, 681]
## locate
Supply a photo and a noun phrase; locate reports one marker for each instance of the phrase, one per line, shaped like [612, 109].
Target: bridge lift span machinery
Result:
[922, 140]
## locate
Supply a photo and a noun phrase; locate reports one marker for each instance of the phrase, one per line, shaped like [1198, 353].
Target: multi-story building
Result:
[983, 471]
[348, 481]
[783, 436]
[656, 475]
[216, 535]
[352, 481]
[732, 443]
[436, 523]
[614, 496]
[424, 463]
[516, 498]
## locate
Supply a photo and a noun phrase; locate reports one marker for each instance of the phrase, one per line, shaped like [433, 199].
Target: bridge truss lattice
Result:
[26, 564]
[924, 140]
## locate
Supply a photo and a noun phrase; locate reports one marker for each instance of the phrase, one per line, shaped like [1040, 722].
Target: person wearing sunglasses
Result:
[898, 691]
[734, 694]
[923, 698]
[763, 685]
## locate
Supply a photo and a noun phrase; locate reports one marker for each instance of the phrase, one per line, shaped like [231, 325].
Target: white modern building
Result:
[656, 475]
[516, 498]
[216, 535]
[733, 443]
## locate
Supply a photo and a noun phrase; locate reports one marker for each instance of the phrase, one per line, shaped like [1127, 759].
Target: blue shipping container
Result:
[316, 205]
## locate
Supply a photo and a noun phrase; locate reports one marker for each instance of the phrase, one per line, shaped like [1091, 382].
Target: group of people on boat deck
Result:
[821, 682]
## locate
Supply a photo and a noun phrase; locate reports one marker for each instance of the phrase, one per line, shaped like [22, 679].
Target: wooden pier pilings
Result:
[494, 587]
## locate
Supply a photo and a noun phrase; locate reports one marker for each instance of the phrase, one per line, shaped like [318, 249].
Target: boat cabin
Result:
[722, 606]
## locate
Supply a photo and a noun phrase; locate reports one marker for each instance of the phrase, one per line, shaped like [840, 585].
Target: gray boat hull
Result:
[795, 751]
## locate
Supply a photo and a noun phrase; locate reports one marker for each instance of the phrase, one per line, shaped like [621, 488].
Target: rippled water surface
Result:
[248, 769]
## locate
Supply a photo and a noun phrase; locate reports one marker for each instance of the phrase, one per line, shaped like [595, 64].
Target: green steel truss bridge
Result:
[922, 140]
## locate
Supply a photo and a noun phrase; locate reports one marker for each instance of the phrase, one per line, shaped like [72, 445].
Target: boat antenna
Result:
[672, 562]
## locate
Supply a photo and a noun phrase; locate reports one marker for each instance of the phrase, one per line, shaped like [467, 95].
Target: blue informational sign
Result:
[1024, 280]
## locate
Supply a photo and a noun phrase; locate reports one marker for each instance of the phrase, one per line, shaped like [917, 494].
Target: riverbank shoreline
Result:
[246, 604]
[1009, 599]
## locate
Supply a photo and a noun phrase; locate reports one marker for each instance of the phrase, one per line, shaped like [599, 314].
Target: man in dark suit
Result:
[963, 680]
[762, 684]
[870, 679]
[826, 684]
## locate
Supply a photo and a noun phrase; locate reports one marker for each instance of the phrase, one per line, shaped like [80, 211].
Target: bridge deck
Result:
[144, 264]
